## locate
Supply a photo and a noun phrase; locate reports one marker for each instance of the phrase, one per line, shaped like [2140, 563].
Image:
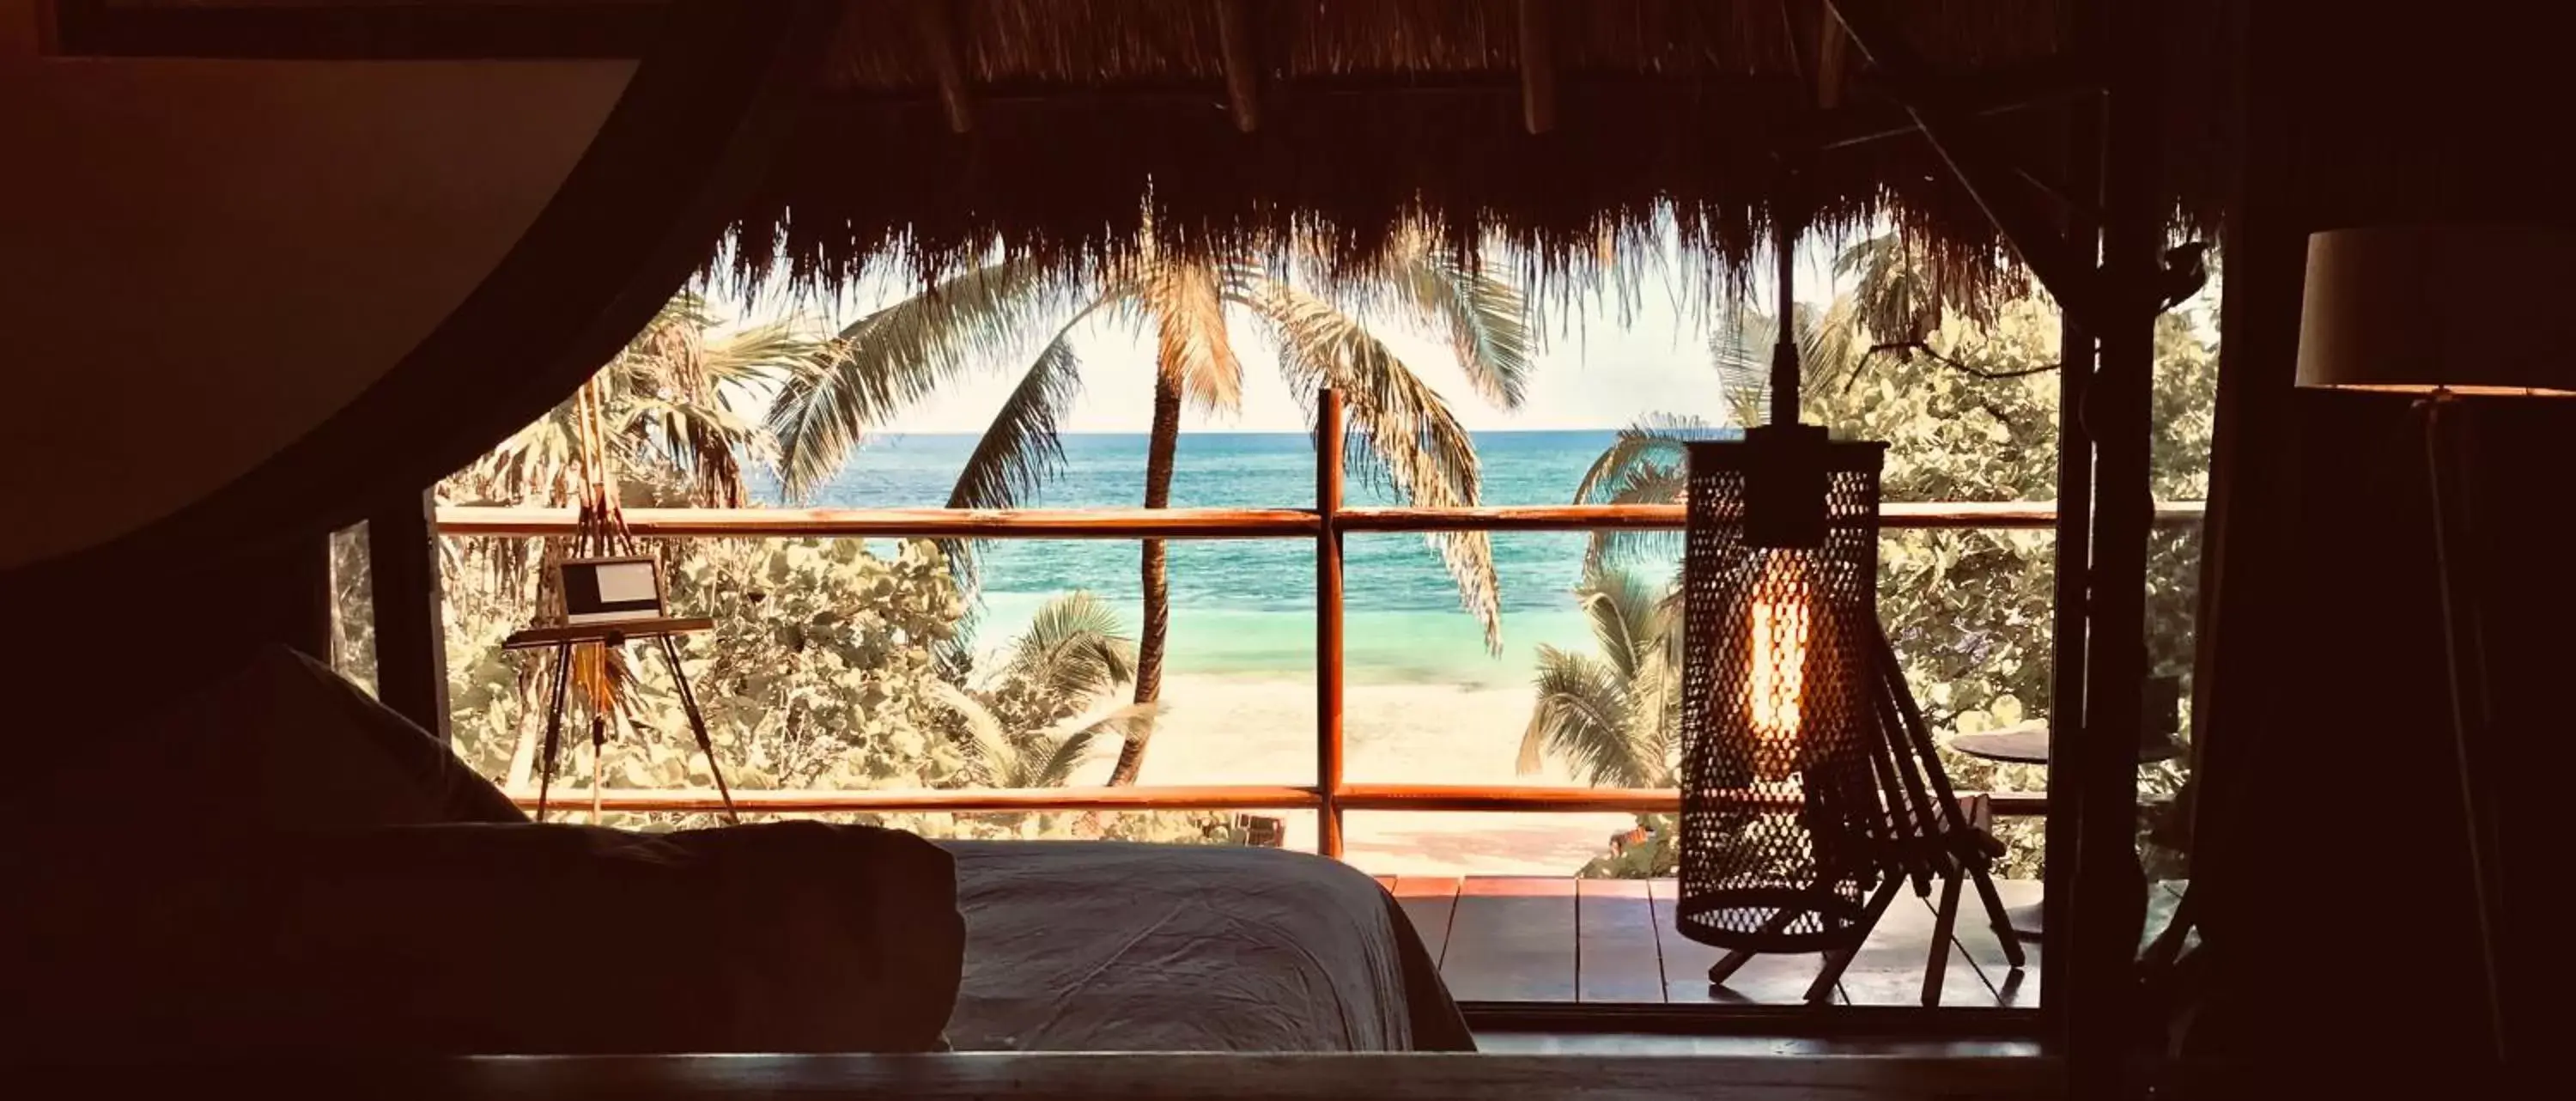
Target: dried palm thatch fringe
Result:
[1097, 122]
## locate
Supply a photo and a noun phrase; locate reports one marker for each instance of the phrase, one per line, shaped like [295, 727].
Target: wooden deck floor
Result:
[1513, 939]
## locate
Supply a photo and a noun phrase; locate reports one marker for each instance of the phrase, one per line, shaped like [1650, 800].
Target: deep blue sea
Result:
[1247, 606]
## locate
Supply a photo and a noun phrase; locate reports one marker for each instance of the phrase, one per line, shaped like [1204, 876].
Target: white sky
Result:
[1597, 365]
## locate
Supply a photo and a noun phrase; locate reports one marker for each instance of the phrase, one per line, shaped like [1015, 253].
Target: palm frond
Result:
[1402, 428]
[1659, 441]
[1581, 713]
[895, 356]
[1646, 465]
[1183, 302]
[1626, 615]
[991, 754]
[534, 466]
[1656, 717]
[1486, 319]
[1745, 342]
[1073, 649]
[758, 354]
[1834, 346]
[672, 397]
[1644, 485]
[1741, 348]
[702, 444]
[1060, 753]
[1022, 447]
[669, 403]
[1890, 296]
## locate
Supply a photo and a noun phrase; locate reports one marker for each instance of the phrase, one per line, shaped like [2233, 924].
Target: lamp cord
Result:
[1785, 383]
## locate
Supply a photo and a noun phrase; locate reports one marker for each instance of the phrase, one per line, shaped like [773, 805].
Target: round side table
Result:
[2026, 743]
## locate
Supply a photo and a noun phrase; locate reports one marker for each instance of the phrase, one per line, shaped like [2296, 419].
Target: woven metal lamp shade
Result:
[1785, 834]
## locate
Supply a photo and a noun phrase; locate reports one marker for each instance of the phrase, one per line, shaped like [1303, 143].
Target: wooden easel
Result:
[662, 631]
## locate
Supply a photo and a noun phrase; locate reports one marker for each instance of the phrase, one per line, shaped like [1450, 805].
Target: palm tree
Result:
[666, 419]
[1402, 429]
[1035, 724]
[669, 414]
[1616, 714]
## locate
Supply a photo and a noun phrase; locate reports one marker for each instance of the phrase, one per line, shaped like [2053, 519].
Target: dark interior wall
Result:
[2331, 867]
[2349, 919]
[208, 258]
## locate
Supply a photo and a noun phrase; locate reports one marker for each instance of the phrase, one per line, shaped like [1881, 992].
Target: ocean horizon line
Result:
[1203, 433]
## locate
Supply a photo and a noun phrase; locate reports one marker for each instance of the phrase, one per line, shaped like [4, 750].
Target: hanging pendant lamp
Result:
[1785, 836]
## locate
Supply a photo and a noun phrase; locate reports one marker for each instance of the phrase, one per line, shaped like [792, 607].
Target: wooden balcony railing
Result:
[1512, 798]
[1326, 523]
[1203, 523]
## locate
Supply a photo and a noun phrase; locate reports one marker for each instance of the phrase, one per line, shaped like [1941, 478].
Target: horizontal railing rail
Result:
[903, 523]
[1520, 799]
[1203, 523]
[1326, 524]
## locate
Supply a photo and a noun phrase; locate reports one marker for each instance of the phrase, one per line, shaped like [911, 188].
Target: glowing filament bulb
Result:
[1780, 620]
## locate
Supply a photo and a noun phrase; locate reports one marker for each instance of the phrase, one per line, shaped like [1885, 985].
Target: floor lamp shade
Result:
[2462, 308]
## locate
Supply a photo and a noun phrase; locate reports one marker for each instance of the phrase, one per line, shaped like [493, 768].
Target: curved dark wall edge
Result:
[639, 212]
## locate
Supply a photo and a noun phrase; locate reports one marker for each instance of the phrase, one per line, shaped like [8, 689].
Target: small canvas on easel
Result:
[611, 590]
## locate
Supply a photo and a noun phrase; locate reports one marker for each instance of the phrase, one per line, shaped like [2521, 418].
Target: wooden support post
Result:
[937, 33]
[411, 627]
[1242, 65]
[2073, 561]
[1980, 166]
[1328, 622]
[1538, 68]
[2109, 907]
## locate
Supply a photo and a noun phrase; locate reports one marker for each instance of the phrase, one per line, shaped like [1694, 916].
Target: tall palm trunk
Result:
[1157, 576]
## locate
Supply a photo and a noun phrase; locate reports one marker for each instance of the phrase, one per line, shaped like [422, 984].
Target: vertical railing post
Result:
[411, 630]
[1328, 621]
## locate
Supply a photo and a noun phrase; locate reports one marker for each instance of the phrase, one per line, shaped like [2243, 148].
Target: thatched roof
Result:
[1063, 127]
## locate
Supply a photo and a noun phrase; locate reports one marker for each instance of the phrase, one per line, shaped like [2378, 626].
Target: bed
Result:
[1103, 946]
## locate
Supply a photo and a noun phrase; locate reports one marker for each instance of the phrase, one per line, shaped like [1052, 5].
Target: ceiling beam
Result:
[1832, 47]
[1979, 164]
[1242, 70]
[938, 36]
[1538, 68]
[1856, 124]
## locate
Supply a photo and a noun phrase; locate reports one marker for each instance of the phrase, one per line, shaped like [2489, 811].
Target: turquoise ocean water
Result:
[1247, 606]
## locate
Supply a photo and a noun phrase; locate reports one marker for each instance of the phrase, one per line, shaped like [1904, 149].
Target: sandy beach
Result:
[1254, 729]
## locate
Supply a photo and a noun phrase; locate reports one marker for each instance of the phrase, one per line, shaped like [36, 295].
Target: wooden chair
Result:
[1926, 833]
